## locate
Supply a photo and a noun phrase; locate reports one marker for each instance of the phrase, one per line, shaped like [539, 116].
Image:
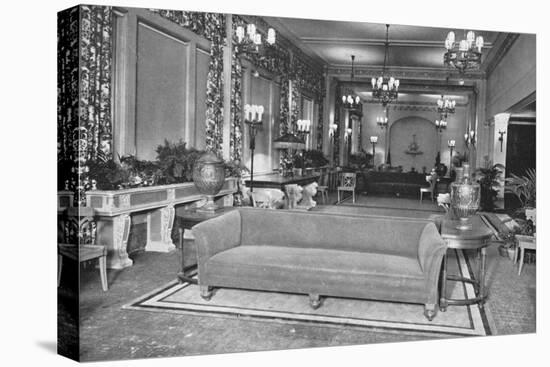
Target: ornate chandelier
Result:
[351, 101]
[445, 106]
[464, 55]
[385, 89]
[440, 125]
[251, 41]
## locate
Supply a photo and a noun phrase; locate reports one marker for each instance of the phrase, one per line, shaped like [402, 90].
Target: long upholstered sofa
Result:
[321, 255]
[399, 183]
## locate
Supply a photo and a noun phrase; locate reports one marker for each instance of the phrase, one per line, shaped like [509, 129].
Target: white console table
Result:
[114, 209]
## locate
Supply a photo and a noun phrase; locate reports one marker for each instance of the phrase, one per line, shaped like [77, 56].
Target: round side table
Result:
[478, 237]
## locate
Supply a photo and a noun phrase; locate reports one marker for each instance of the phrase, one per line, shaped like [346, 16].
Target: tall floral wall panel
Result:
[236, 130]
[320, 126]
[67, 97]
[84, 94]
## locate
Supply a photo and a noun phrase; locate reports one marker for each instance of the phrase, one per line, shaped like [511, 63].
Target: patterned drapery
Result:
[95, 80]
[320, 126]
[67, 97]
[84, 94]
[236, 133]
[336, 140]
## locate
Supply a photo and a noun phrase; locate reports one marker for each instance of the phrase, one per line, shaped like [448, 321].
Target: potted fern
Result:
[524, 188]
[490, 179]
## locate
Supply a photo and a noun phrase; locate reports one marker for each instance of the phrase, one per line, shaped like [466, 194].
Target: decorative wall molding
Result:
[362, 72]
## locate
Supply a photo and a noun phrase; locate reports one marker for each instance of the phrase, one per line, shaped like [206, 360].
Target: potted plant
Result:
[315, 158]
[361, 160]
[298, 164]
[176, 161]
[524, 188]
[489, 179]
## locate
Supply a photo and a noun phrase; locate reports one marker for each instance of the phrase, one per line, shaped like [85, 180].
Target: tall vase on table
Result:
[465, 197]
[209, 177]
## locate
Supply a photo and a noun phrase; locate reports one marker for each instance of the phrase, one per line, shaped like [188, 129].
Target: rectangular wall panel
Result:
[161, 78]
[260, 94]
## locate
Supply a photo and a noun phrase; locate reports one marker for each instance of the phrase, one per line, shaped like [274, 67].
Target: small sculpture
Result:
[294, 193]
[308, 193]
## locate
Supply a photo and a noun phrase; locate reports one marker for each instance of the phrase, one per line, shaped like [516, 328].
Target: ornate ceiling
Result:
[416, 53]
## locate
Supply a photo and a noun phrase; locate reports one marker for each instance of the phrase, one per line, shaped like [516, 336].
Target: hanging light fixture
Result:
[385, 89]
[250, 41]
[445, 105]
[351, 101]
[464, 55]
[440, 125]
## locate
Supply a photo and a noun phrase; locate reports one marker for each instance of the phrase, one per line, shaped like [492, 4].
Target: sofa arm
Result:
[431, 249]
[216, 235]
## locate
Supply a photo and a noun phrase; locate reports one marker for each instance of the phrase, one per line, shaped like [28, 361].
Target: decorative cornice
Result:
[410, 106]
[343, 72]
[376, 42]
[288, 40]
[500, 52]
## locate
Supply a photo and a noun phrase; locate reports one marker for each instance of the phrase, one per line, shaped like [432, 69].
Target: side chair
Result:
[80, 220]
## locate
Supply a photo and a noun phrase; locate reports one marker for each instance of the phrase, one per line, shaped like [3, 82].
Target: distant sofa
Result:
[400, 183]
[321, 255]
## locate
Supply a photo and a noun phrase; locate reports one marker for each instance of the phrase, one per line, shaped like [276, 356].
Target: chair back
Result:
[432, 180]
[78, 225]
[348, 179]
[323, 179]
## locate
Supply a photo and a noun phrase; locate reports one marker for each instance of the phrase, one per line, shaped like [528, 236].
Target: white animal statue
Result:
[307, 195]
[294, 193]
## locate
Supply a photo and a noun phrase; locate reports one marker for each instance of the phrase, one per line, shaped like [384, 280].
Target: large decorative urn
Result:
[209, 176]
[465, 197]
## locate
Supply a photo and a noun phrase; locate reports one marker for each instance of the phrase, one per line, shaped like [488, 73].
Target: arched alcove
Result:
[402, 134]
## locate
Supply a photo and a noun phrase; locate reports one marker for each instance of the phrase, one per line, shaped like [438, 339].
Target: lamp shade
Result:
[289, 141]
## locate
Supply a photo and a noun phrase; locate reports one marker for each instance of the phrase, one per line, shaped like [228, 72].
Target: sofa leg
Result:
[314, 300]
[430, 311]
[206, 292]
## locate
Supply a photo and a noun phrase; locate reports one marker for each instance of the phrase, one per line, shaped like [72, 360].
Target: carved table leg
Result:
[164, 243]
[118, 257]
[314, 300]
[481, 280]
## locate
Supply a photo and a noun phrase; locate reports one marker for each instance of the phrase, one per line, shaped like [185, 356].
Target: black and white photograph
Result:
[244, 181]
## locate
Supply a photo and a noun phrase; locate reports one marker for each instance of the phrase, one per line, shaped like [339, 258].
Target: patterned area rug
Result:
[334, 312]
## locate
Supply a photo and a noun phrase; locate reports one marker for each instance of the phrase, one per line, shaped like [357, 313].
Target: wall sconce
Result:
[373, 141]
[382, 121]
[470, 138]
[451, 144]
[253, 118]
[440, 125]
[303, 126]
[332, 130]
[347, 134]
[501, 138]
[251, 41]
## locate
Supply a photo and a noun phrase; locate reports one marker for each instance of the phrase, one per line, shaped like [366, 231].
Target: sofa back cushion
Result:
[396, 177]
[329, 231]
